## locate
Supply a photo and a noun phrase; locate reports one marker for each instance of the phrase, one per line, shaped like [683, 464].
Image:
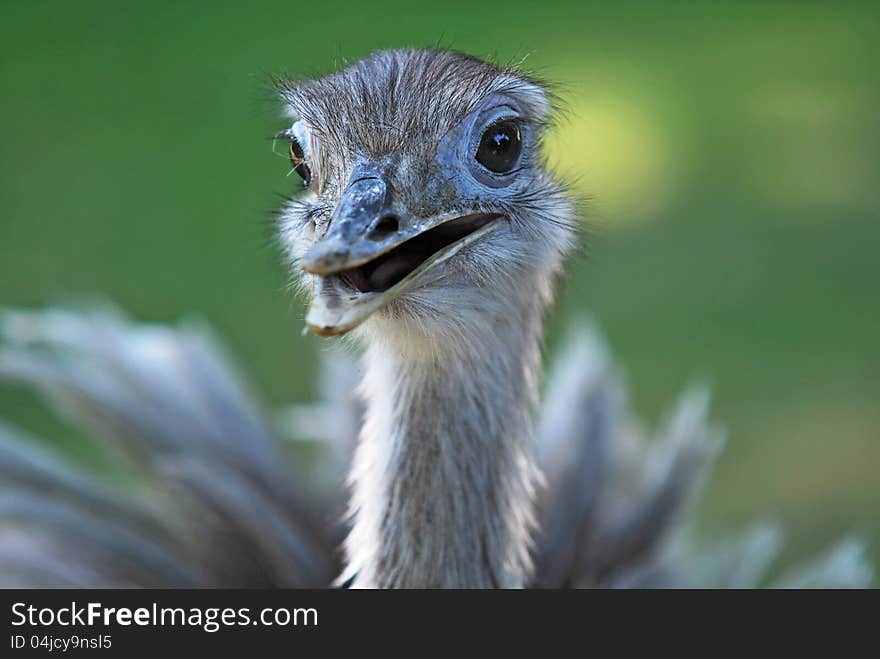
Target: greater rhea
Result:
[431, 229]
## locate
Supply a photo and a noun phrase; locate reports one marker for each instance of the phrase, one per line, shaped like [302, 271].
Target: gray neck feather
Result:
[443, 475]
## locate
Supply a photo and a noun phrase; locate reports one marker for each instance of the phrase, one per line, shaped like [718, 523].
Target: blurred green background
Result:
[733, 151]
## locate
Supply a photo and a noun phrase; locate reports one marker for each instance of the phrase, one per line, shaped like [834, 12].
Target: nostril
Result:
[384, 228]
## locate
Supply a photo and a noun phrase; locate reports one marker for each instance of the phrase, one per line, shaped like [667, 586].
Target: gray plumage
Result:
[210, 503]
[62, 526]
[442, 268]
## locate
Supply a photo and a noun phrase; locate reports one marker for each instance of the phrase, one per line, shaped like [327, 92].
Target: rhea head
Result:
[427, 200]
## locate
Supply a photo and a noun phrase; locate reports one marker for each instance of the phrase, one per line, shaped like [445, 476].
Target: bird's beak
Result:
[368, 255]
[356, 234]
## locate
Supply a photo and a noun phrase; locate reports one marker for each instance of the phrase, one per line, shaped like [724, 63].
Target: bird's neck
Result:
[443, 475]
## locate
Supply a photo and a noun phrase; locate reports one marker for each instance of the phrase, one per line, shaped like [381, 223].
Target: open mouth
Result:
[393, 266]
[343, 300]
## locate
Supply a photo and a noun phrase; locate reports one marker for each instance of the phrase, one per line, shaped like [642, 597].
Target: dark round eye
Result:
[500, 147]
[297, 160]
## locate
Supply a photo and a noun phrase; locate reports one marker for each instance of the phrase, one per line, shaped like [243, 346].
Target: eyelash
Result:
[298, 161]
[296, 154]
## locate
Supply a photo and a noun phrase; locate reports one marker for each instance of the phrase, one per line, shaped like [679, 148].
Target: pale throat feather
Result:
[443, 478]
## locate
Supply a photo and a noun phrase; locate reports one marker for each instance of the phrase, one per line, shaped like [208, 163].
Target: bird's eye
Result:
[500, 147]
[298, 161]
